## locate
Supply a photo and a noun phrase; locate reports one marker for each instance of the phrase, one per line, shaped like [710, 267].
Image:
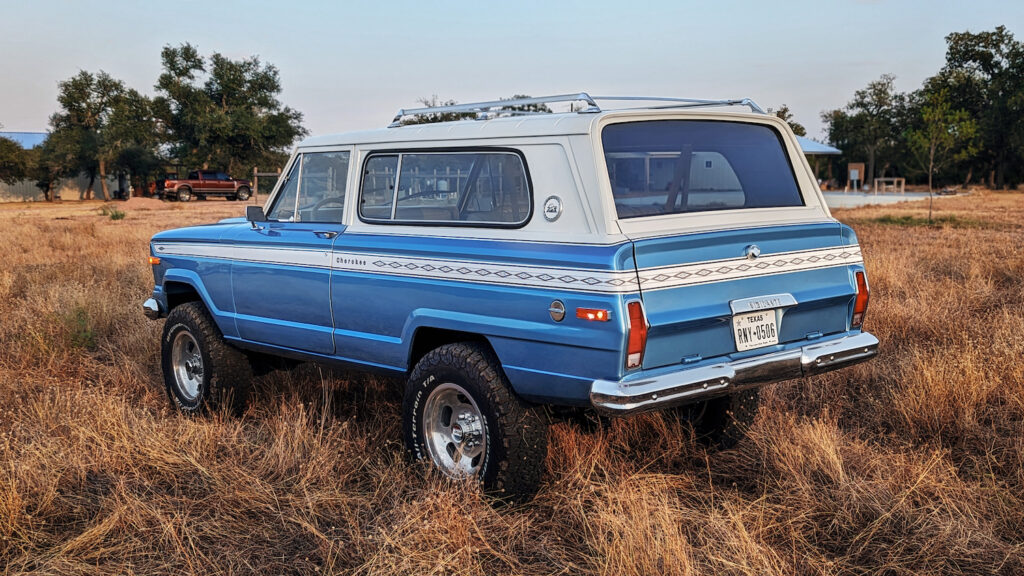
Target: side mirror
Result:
[255, 214]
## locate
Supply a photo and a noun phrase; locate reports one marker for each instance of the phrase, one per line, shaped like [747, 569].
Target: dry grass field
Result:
[910, 464]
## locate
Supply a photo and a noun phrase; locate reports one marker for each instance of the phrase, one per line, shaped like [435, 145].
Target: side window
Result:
[284, 205]
[378, 189]
[467, 188]
[322, 186]
[314, 190]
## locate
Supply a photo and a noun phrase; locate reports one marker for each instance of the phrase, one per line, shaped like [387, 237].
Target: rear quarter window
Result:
[681, 166]
[452, 188]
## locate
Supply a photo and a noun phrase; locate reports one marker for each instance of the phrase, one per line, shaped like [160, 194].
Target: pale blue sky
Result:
[351, 65]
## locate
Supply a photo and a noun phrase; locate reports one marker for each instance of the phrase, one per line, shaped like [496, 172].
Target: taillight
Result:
[637, 335]
[860, 306]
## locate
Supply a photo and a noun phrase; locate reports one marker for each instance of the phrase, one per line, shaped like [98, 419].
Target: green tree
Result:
[12, 161]
[944, 135]
[218, 112]
[785, 114]
[532, 108]
[435, 102]
[988, 70]
[868, 123]
[87, 101]
[131, 138]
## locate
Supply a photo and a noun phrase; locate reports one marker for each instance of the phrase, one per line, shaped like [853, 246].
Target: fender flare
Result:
[223, 318]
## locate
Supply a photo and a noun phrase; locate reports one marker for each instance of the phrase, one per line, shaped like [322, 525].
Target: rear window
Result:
[680, 166]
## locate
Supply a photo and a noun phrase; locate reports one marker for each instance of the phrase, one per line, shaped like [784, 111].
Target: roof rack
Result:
[513, 107]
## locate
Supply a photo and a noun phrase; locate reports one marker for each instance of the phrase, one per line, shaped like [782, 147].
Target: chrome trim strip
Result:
[695, 384]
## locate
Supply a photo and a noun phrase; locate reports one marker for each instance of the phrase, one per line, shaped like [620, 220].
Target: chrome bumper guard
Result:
[151, 308]
[696, 384]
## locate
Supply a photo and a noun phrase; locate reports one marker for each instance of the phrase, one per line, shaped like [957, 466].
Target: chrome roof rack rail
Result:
[483, 110]
[685, 102]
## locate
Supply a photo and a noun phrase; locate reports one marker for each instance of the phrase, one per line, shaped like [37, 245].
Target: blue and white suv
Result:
[616, 260]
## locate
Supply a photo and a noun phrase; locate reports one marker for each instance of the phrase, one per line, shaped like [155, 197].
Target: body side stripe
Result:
[526, 276]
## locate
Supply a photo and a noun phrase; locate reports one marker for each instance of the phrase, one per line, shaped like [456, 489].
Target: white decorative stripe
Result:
[474, 271]
[265, 255]
[735, 268]
[559, 278]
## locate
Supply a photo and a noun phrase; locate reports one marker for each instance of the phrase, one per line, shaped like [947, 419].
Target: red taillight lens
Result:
[637, 335]
[860, 307]
[593, 314]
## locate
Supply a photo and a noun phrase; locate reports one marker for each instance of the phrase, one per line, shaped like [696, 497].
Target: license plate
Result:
[755, 330]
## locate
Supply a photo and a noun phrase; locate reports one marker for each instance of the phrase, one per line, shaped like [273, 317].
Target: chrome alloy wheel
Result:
[454, 431]
[187, 364]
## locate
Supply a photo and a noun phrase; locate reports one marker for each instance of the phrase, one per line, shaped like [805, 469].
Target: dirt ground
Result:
[910, 464]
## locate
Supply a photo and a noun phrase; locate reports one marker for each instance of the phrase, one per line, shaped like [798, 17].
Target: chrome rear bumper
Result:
[696, 384]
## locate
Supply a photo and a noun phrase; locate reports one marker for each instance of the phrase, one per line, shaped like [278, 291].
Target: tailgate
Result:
[688, 281]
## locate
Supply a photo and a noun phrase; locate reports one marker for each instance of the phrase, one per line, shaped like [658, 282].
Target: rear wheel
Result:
[201, 371]
[184, 194]
[724, 421]
[460, 414]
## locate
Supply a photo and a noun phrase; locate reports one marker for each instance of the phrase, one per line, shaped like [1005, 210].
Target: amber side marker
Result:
[153, 260]
[594, 314]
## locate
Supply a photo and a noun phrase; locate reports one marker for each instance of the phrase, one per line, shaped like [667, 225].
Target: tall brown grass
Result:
[910, 464]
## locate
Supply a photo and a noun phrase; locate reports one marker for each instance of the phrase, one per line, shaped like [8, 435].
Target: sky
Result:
[349, 65]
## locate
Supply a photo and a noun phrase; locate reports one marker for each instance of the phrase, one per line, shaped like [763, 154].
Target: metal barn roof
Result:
[26, 139]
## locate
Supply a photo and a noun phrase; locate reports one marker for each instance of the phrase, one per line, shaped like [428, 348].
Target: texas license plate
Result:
[755, 330]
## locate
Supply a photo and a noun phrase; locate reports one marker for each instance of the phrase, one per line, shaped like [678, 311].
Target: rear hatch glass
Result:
[681, 166]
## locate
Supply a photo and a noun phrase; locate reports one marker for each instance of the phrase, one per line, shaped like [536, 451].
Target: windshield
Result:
[680, 166]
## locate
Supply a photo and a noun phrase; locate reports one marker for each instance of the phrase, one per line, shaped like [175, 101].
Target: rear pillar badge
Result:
[552, 208]
[752, 252]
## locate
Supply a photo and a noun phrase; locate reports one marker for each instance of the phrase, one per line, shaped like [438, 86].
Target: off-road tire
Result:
[227, 373]
[242, 194]
[184, 194]
[515, 433]
[723, 422]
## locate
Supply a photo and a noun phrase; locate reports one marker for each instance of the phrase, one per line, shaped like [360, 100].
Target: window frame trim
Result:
[399, 152]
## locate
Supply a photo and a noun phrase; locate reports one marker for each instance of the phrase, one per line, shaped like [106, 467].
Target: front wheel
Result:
[201, 371]
[242, 194]
[460, 414]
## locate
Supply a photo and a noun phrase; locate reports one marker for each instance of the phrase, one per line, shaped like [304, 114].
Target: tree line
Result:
[208, 112]
[964, 125]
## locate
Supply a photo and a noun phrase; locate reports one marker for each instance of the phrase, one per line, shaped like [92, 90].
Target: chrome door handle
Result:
[327, 234]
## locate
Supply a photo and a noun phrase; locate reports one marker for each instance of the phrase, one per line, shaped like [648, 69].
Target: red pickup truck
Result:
[203, 183]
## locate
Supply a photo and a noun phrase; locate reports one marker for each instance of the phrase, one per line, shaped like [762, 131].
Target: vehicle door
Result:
[224, 184]
[281, 273]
